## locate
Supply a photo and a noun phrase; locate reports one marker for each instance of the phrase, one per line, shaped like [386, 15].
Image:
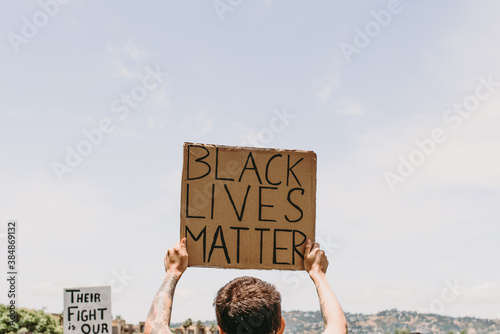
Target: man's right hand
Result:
[176, 259]
[315, 260]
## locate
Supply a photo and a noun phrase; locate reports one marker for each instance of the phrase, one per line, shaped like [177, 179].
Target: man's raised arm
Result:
[176, 261]
[316, 263]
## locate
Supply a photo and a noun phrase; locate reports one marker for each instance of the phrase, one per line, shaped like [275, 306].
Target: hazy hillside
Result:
[390, 321]
[299, 322]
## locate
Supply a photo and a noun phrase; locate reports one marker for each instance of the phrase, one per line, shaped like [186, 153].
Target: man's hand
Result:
[315, 260]
[176, 259]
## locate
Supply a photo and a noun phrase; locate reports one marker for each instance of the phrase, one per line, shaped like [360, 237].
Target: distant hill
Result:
[391, 321]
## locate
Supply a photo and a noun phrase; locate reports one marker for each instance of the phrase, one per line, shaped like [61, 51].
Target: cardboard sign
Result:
[247, 208]
[87, 310]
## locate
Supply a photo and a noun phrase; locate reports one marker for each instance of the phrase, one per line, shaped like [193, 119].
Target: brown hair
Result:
[248, 305]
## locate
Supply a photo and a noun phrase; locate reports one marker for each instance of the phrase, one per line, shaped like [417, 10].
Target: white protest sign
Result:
[87, 310]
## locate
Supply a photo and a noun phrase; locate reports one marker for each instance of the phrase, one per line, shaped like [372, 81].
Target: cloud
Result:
[249, 138]
[487, 294]
[200, 124]
[86, 119]
[24, 115]
[326, 92]
[127, 133]
[469, 46]
[154, 123]
[136, 53]
[124, 72]
[184, 293]
[376, 294]
[330, 83]
[127, 59]
[429, 204]
[49, 289]
[71, 23]
[349, 106]
[205, 124]
[470, 157]
[159, 99]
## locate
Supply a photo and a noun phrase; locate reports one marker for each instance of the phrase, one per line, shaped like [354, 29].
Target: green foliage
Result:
[187, 323]
[28, 321]
[401, 331]
[199, 324]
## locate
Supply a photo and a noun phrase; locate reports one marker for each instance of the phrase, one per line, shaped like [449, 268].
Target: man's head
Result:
[249, 305]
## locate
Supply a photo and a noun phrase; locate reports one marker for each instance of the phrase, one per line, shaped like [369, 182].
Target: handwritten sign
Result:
[87, 310]
[247, 208]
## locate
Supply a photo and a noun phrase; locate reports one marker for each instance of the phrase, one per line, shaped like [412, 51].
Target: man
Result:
[246, 304]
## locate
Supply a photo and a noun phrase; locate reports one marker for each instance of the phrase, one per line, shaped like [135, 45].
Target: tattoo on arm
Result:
[161, 309]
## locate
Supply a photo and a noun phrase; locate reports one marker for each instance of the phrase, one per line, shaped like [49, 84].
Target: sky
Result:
[399, 99]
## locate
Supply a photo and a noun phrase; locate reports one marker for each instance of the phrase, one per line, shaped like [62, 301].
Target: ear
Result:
[282, 326]
[220, 330]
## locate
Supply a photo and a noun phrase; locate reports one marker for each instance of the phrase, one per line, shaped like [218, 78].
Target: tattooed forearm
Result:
[161, 309]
